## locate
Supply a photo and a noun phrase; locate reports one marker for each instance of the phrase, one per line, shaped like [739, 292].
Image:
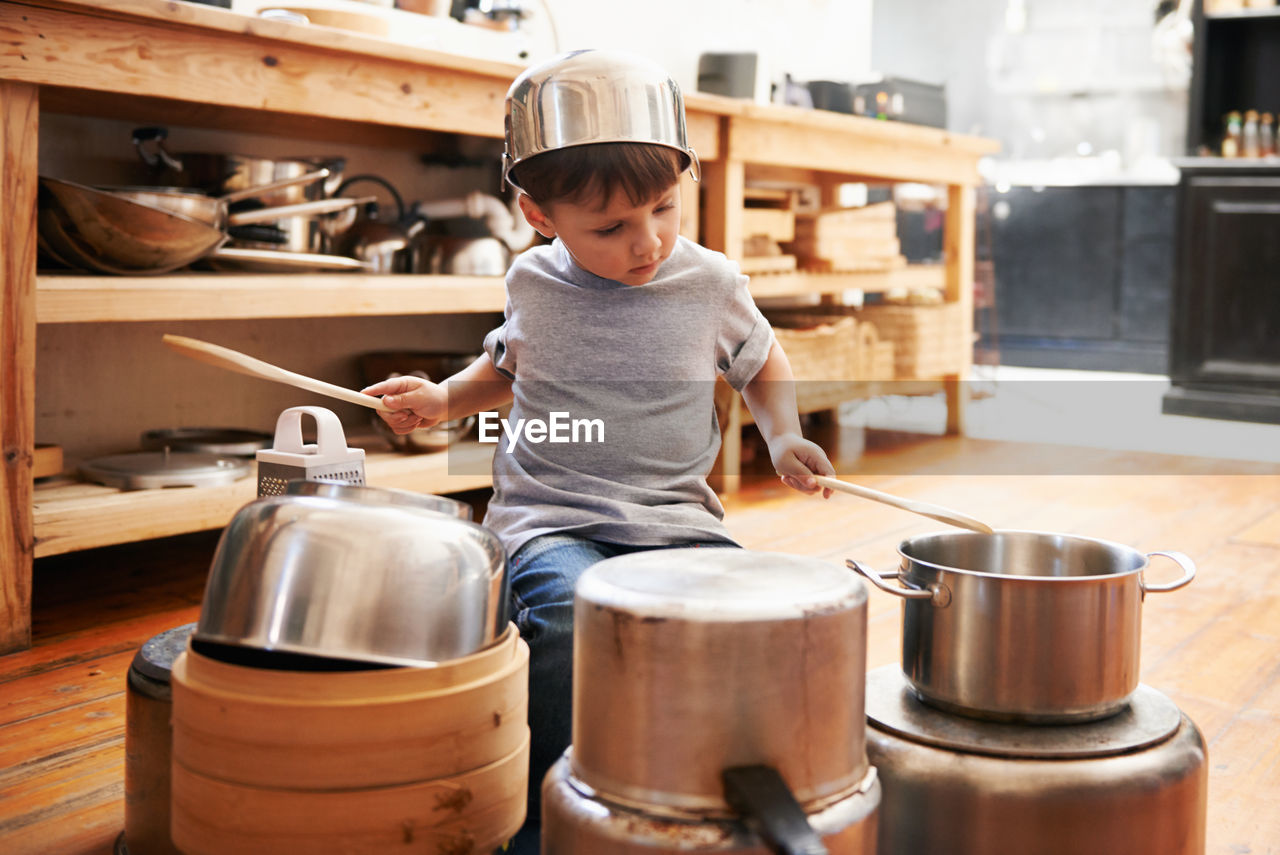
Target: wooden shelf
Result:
[72, 515]
[801, 283]
[64, 298]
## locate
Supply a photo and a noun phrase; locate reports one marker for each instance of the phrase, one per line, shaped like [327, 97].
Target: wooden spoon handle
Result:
[936, 512]
[234, 360]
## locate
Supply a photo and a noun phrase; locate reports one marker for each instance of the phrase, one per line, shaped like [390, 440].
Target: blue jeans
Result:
[543, 574]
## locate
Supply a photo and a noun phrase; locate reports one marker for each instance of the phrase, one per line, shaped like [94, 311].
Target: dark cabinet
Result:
[1084, 276]
[1225, 348]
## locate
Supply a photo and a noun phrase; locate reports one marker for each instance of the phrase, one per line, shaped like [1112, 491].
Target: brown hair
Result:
[579, 173]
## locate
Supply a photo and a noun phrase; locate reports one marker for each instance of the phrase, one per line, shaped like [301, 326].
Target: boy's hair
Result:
[580, 173]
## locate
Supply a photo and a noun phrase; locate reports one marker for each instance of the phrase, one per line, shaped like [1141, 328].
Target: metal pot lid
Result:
[144, 470]
[720, 584]
[1150, 717]
[233, 442]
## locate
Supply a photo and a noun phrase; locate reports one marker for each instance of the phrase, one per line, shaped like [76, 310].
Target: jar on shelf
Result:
[1250, 142]
[1231, 142]
[1267, 135]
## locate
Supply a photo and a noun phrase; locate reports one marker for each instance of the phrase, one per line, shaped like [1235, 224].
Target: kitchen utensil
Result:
[380, 496]
[379, 242]
[226, 442]
[145, 470]
[225, 357]
[615, 97]
[1022, 625]
[289, 458]
[936, 512]
[111, 234]
[648, 621]
[222, 172]
[383, 583]
[253, 260]
[762, 744]
[216, 210]
[1135, 782]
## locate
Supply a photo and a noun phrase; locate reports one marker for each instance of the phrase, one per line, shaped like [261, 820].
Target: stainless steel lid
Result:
[593, 96]
[144, 470]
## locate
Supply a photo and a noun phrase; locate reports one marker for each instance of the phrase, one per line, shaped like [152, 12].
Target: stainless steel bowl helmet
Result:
[593, 96]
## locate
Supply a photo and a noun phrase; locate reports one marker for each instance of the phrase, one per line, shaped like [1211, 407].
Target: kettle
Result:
[381, 243]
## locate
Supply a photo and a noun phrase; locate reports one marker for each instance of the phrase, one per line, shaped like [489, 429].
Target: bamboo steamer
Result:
[298, 730]
[471, 812]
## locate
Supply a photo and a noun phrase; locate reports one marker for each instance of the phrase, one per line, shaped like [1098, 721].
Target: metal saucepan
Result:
[217, 173]
[388, 582]
[216, 210]
[1022, 625]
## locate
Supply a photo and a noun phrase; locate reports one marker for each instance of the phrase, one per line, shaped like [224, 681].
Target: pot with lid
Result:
[377, 581]
[714, 690]
[1022, 625]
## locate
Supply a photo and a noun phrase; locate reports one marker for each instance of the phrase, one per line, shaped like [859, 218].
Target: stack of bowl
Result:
[353, 684]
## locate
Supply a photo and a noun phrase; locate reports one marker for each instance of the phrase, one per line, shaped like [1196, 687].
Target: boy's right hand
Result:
[418, 403]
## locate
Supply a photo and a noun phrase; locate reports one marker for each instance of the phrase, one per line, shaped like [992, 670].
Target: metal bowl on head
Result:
[593, 96]
[378, 582]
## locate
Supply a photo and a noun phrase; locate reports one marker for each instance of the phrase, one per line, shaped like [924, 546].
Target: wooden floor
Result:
[1213, 647]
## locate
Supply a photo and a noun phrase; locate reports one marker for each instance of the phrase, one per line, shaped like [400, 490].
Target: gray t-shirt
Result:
[631, 370]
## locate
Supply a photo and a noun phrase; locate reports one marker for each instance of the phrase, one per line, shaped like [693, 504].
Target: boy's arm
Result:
[421, 403]
[771, 398]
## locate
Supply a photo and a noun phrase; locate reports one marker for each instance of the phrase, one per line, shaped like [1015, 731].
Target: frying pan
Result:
[225, 357]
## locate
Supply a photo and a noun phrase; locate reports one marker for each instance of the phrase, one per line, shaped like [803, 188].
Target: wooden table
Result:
[202, 66]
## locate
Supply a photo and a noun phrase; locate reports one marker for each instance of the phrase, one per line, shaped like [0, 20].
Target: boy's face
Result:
[617, 240]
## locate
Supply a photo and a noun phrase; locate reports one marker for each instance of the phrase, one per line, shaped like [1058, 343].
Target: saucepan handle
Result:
[937, 594]
[1188, 573]
[769, 810]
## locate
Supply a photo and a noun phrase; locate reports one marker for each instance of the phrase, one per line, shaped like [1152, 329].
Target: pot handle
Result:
[937, 594]
[1188, 571]
[770, 811]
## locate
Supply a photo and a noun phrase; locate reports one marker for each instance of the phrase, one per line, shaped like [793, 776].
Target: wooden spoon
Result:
[936, 512]
[225, 357]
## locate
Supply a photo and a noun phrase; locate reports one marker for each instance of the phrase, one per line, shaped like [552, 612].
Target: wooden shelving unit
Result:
[207, 67]
[72, 515]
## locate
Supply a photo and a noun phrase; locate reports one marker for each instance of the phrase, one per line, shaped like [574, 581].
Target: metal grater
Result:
[289, 459]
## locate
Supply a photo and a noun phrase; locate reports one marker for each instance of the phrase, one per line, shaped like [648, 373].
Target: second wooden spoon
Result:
[936, 512]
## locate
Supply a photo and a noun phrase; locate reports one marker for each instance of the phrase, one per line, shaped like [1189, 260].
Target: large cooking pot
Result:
[1022, 625]
[372, 581]
[687, 662]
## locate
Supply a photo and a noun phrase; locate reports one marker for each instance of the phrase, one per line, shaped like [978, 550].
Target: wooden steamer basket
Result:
[690, 662]
[269, 761]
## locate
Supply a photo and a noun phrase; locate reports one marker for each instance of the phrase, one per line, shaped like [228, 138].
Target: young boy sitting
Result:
[622, 324]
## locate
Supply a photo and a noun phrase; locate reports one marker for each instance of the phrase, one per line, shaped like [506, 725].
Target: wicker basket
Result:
[929, 341]
[819, 346]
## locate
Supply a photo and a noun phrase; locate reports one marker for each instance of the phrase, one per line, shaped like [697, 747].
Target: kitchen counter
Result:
[207, 67]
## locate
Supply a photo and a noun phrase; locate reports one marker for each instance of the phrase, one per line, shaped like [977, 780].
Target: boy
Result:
[619, 325]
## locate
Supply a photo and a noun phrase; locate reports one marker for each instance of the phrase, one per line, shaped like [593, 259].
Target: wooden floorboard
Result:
[1213, 647]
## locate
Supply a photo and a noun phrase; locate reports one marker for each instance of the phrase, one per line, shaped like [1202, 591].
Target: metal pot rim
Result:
[1028, 579]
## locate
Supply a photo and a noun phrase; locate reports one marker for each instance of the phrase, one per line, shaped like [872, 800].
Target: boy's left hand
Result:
[797, 460]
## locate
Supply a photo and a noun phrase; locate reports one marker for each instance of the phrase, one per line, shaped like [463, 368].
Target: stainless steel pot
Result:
[1022, 625]
[381, 582]
[688, 662]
